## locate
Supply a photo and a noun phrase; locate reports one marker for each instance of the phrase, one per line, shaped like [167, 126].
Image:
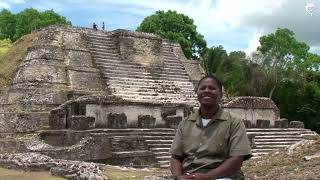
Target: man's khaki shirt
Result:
[205, 148]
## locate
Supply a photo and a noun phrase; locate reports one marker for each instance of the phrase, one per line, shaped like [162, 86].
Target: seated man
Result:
[209, 144]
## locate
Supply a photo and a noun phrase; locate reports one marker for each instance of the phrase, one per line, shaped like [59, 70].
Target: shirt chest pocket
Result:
[217, 144]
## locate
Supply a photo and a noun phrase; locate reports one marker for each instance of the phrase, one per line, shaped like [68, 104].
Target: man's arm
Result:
[175, 166]
[228, 167]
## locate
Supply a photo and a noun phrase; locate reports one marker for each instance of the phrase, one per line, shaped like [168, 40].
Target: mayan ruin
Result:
[115, 98]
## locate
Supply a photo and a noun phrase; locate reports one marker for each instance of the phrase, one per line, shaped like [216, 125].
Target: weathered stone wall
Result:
[140, 48]
[193, 67]
[72, 145]
[132, 112]
[253, 109]
[254, 114]
[57, 67]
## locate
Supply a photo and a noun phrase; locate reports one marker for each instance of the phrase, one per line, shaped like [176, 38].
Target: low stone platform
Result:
[72, 170]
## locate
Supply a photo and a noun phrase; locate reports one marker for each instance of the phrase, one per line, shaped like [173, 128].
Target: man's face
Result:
[208, 92]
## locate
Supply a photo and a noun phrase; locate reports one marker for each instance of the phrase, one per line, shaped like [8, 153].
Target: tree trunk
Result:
[271, 92]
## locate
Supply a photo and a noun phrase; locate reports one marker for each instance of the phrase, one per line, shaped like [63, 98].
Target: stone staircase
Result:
[265, 140]
[14, 142]
[167, 82]
[272, 139]
[158, 141]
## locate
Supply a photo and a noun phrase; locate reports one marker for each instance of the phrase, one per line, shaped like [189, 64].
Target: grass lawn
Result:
[8, 174]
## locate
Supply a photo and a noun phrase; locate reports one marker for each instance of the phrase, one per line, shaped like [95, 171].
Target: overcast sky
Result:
[234, 24]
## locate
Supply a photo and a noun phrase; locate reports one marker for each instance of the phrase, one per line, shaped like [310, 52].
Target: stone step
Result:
[270, 146]
[162, 158]
[133, 74]
[106, 49]
[168, 137]
[159, 145]
[114, 61]
[99, 37]
[117, 63]
[106, 58]
[144, 71]
[103, 42]
[96, 33]
[259, 154]
[160, 149]
[120, 84]
[150, 98]
[258, 136]
[154, 95]
[262, 150]
[171, 58]
[273, 143]
[155, 141]
[276, 133]
[116, 86]
[164, 163]
[96, 53]
[130, 80]
[138, 130]
[145, 135]
[275, 129]
[103, 47]
[112, 76]
[277, 139]
[162, 153]
[167, 89]
[173, 64]
[166, 101]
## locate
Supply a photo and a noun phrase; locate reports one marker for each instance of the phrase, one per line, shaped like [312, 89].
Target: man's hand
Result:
[194, 176]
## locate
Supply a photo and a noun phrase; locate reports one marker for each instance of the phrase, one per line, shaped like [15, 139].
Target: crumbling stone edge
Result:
[72, 170]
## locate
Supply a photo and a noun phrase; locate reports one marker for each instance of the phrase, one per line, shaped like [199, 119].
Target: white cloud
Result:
[18, 1]
[4, 5]
[231, 23]
[253, 42]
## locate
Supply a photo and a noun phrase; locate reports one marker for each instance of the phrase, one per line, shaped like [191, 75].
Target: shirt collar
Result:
[218, 116]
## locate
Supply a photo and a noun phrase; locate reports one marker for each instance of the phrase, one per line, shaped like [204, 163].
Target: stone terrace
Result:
[134, 76]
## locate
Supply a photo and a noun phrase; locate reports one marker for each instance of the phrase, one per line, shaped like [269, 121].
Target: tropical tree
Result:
[7, 24]
[178, 28]
[283, 57]
[14, 26]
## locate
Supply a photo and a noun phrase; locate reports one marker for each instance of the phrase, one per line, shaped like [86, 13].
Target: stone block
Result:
[281, 123]
[81, 122]
[247, 123]
[57, 119]
[117, 121]
[296, 124]
[172, 121]
[168, 112]
[22, 122]
[146, 121]
[262, 123]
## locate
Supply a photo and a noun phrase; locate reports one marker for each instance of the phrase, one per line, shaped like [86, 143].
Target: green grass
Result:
[8, 174]
[283, 166]
[115, 173]
[12, 57]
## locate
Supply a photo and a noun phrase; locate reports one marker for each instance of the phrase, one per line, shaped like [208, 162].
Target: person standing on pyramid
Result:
[103, 26]
[95, 27]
